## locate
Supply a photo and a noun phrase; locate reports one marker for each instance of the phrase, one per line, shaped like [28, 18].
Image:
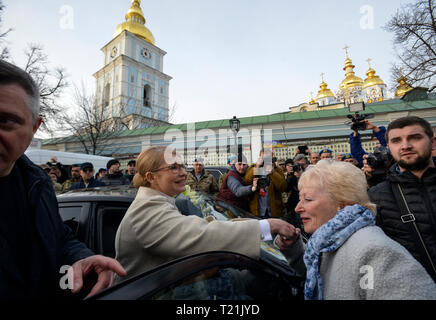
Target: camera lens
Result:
[372, 160]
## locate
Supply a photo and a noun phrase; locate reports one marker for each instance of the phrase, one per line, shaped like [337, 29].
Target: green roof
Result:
[377, 107]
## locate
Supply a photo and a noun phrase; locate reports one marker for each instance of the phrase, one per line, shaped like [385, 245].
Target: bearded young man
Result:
[406, 201]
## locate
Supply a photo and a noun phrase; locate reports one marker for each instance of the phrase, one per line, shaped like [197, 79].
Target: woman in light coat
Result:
[153, 231]
[347, 256]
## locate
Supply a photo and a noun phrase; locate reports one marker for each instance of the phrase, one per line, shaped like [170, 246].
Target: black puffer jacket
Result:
[421, 198]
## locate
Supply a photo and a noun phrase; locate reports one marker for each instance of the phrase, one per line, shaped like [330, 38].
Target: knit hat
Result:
[111, 162]
[231, 159]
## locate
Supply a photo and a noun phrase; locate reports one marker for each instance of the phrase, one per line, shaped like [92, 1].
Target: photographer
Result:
[233, 190]
[380, 160]
[291, 195]
[301, 160]
[356, 144]
[267, 199]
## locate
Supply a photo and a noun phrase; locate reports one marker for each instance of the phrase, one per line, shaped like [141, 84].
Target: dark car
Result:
[95, 214]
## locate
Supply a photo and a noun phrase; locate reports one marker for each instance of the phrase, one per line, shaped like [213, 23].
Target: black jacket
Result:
[60, 247]
[115, 179]
[421, 198]
[93, 183]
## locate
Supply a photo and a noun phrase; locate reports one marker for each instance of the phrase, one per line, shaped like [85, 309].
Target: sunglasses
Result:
[86, 170]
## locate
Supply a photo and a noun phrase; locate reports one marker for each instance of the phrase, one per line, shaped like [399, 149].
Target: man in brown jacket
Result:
[267, 201]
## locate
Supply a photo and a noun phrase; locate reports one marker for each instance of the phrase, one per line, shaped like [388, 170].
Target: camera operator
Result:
[266, 201]
[291, 195]
[233, 190]
[302, 161]
[376, 169]
[356, 144]
[376, 165]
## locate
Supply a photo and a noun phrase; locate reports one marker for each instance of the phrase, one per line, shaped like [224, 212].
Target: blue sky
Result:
[227, 57]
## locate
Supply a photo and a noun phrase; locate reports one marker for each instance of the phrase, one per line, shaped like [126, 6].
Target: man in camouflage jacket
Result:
[201, 180]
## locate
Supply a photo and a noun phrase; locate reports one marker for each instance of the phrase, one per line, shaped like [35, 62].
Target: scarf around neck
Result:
[329, 237]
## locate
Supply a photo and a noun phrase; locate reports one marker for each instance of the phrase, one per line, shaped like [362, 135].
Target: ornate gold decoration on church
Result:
[372, 79]
[324, 92]
[403, 87]
[351, 80]
[135, 23]
[373, 86]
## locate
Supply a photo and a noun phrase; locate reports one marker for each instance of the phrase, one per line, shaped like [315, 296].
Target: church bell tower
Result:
[131, 86]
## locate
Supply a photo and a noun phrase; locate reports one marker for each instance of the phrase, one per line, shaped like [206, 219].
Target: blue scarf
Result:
[329, 237]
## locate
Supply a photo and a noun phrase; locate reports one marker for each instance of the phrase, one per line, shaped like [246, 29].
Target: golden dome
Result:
[135, 23]
[403, 87]
[351, 80]
[311, 99]
[324, 92]
[372, 79]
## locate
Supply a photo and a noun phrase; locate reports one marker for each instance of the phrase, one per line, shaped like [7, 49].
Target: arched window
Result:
[106, 95]
[147, 96]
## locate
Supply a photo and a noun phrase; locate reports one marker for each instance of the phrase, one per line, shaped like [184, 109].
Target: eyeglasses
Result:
[175, 167]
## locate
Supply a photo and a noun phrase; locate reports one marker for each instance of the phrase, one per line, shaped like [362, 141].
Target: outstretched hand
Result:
[286, 231]
[284, 243]
[100, 265]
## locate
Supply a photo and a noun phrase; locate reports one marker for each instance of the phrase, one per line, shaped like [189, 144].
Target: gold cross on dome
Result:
[346, 49]
[322, 76]
[369, 60]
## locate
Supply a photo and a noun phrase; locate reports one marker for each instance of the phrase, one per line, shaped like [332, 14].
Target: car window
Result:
[220, 283]
[70, 216]
[109, 221]
[215, 173]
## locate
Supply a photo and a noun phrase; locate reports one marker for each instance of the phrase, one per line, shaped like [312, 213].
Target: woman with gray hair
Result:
[347, 256]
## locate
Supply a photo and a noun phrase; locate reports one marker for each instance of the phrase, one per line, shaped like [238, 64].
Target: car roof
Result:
[125, 193]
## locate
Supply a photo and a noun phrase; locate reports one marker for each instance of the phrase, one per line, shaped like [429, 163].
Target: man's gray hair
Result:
[11, 74]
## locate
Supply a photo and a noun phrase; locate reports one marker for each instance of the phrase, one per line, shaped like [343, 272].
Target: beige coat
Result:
[154, 232]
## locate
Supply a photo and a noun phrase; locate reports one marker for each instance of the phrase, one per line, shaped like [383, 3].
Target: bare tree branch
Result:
[51, 84]
[4, 51]
[414, 29]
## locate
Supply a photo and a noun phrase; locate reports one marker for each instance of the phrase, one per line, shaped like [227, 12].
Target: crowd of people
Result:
[83, 175]
[399, 191]
[328, 217]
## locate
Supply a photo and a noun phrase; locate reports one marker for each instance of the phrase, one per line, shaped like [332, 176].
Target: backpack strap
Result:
[407, 217]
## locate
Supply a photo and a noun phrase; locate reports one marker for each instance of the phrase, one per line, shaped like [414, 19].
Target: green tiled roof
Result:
[377, 107]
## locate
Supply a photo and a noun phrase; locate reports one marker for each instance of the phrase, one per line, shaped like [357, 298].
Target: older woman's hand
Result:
[284, 243]
[286, 231]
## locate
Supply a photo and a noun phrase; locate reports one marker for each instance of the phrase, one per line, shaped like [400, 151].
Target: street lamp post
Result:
[235, 125]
